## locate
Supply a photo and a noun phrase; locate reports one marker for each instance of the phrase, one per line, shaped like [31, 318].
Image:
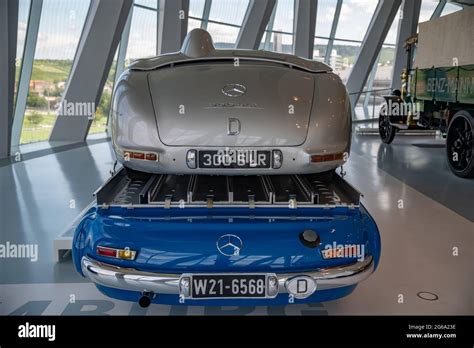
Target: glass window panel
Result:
[383, 76]
[263, 45]
[280, 42]
[379, 84]
[355, 18]
[193, 24]
[23, 11]
[391, 37]
[284, 16]
[60, 29]
[427, 9]
[99, 124]
[223, 36]
[280, 37]
[196, 8]
[450, 8]
[148, 3]
[319, 52]
[228, 11]
[224, 12]
[384, 64]
[142, 39]
[376, 86]
[325, 17]
[343, 57]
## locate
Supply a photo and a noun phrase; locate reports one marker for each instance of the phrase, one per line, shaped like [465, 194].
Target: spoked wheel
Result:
[459, 144]
[386, 130]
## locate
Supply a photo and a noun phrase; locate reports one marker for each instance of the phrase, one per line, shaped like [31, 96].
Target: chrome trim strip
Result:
[133, 280]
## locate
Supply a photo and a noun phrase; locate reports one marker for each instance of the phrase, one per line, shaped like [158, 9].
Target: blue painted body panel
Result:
[184, 241]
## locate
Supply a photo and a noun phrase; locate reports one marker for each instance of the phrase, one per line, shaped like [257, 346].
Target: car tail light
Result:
[191, 159]
[124, 254]
[327, 158]
[139, 155]
[109, 252]
[277, 159]
[151, 156]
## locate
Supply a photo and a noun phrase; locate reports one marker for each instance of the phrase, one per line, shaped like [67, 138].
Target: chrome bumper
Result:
[133, 280]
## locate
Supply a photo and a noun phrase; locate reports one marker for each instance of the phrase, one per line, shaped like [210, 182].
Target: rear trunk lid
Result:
[219, 104]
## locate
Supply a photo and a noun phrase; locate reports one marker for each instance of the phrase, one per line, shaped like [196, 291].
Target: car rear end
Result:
[212, 117]
[202, 251]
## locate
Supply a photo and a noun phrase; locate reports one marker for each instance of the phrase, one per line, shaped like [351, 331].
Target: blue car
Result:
[211, 240]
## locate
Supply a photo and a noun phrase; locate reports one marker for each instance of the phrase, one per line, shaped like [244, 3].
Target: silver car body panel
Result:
[169, 59]
[191, 108]
[173, 103]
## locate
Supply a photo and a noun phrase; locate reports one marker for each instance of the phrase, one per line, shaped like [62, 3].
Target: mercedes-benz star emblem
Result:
[234, 90]
[229, 245]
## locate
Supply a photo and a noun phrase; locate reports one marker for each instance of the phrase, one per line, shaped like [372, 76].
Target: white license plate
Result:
[234, 158]
[228, 286]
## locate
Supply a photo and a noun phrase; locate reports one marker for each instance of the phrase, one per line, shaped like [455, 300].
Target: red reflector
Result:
[107, 252]
[150, 156]
[327, 158]
[139, 155]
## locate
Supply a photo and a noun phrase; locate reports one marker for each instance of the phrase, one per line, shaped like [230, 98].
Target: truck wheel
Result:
[459, 144]
[386, 130]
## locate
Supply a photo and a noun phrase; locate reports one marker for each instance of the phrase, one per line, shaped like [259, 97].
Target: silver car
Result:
[229, 112]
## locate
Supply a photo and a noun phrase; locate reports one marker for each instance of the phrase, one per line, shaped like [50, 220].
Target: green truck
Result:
[438, 89]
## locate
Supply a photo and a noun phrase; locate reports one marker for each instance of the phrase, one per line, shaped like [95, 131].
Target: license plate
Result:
[230, 286]
[234, 158]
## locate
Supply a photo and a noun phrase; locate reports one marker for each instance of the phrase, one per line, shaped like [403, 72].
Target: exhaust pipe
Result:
[145, 299]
